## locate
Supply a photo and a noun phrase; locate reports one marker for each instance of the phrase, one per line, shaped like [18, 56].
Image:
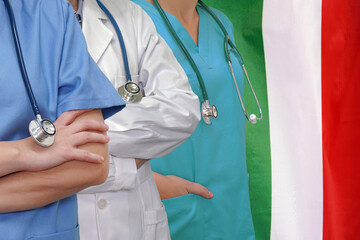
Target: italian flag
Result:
[303, 57]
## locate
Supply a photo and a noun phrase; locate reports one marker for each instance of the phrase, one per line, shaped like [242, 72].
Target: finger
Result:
[89, 125]
[89, 137]
[200, 190]
[68, 117]
[83, 155]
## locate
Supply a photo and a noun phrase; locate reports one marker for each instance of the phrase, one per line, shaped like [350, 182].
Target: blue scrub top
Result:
[63, 77]
[214, 155]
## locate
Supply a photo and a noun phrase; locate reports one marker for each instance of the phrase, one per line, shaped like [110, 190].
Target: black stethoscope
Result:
[42, 130]
[208, 111]
[130, 92]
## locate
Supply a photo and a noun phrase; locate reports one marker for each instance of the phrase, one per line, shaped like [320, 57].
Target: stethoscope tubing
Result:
[184, 50]
[252, 118]
[121, 39]
[228, 58]
[41, 135]
[21, 59]
[213, 15]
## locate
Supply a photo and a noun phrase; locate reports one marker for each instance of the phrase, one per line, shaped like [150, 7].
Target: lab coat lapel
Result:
[97, 35]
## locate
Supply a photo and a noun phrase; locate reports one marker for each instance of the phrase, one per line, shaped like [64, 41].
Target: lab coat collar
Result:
[97, 35]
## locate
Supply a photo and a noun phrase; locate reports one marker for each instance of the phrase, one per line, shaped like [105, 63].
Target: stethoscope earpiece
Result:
[43, 131]
[252, 118]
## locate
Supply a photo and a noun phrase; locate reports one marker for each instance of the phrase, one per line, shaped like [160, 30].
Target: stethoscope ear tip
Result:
[252, 118]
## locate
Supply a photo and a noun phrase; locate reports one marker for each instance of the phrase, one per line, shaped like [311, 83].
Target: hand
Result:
[171, 186]
[140, 162]
[69, 136]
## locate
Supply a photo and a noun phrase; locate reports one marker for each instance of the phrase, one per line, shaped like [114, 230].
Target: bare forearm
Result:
[165, 188]
[9, 158]
[27, 190]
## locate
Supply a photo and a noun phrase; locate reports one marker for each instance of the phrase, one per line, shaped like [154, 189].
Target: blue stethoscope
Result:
[42, 130]
[207, 110]
[130, 92]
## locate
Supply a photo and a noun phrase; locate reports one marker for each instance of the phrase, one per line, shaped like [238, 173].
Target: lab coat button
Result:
[154, 38]
[102, 203]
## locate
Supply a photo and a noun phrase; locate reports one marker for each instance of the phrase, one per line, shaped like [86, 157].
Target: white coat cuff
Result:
[122, 176]
[125, 173]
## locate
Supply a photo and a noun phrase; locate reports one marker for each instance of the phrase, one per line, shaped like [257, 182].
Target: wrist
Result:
[11, 161]
[24, 154]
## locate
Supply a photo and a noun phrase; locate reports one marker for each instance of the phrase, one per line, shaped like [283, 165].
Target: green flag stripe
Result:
[246, 17]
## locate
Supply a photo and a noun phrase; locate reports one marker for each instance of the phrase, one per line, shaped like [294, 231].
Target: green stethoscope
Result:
[207, 110]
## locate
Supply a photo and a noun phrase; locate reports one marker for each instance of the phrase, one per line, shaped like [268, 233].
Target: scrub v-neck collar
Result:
[184, 35]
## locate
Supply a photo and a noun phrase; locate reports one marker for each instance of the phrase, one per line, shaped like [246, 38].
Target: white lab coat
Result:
[127, 206]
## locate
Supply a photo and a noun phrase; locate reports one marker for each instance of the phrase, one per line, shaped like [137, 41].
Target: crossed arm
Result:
[79, 159]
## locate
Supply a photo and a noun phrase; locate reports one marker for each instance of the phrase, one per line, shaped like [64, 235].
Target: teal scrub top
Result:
[63, 77]
[214, 155]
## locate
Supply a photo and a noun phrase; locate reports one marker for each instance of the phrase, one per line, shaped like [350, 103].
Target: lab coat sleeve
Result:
[169, 112]
[81, 84]
[122, 175]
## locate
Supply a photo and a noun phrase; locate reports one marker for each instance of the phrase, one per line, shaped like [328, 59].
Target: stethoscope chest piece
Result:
[208, 112]
[130, 92]
[43, 131]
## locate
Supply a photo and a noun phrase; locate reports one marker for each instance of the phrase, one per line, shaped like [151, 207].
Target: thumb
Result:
[200, 190]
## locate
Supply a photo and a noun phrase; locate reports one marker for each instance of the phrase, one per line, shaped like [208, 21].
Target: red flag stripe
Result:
[341, 118]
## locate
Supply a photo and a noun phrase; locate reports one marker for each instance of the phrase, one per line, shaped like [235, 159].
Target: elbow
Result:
[193, 122]
[191, 116]
[95, 173]
[195, 116]
[190, 112]
[196, 110]
[196, 119]
[101, 172]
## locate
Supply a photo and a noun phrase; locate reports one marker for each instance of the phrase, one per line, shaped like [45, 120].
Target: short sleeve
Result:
[226, 22]
[82, 85]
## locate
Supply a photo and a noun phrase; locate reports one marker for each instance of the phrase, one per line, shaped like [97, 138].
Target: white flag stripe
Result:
[292, 42]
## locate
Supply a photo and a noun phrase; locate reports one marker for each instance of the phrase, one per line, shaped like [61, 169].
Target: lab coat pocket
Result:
[72, 234]
[156, 225]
